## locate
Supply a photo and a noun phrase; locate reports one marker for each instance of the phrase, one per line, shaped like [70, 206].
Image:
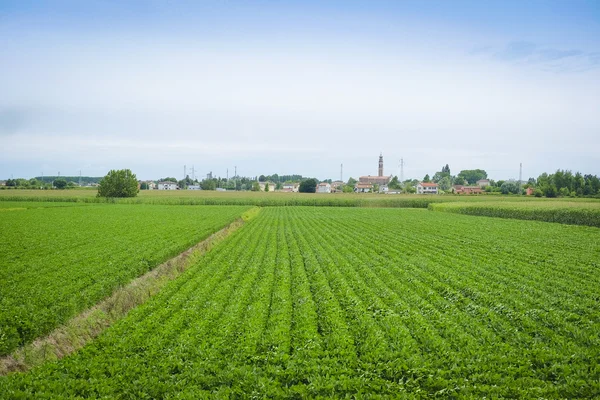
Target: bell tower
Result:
[380, 164]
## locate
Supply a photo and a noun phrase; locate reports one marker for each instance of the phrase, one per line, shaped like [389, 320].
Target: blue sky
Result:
[299, 87]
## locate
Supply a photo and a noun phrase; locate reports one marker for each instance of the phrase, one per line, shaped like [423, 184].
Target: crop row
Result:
[332, 302]
[574, 214]
[56, 262]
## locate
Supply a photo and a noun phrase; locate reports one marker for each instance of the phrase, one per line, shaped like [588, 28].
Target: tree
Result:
[394, 184]
[427, 178]
[168, 180]
[60, 183]
[278, 186]
[509, 187]
[255, 186]
[262, 178]
[351, 182]
[473, 175]
[118, 183]
[144, 186]
[459, 180]
[266, 187]
[308, 186]
[445, 183]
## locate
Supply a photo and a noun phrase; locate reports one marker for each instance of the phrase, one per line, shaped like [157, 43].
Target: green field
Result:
[58, 259]
[562, 211]
[306, 302]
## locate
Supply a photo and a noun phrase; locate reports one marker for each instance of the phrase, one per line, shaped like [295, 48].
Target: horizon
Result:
[299, 87]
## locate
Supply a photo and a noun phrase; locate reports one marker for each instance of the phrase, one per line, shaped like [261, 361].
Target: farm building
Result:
[167, 185]
[460, 189]
[483, 183]
[323, 187]
[427, 188]
[194, 187]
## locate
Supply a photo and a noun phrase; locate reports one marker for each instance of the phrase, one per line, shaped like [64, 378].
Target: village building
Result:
[363, 188]
[460, 189]
[380, 179]
[167, 185]
[529, 191]
[194, 187]
[323, 187]
[483, 183]
[290, 187]
[427, 188]
[336, 186]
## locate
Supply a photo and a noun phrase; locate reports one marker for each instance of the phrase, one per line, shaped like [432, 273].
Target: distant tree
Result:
[118, 183]
[394, 184]
[445, 183]
[60, 183]
[427, 178]
[510, 187]
[351, 182]
[473, 175]
[262, 178]
[144, 186]
[255, 186]
[446, 169]
[278, 186]
[308, 186]
[208, 184]
[549, 190]
[347, 189]
[459, 180]
[168, 180]
[266, 187]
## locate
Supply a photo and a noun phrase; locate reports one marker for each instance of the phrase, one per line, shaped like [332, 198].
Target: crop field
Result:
[561, 211]
[56, 261]
[306, 302]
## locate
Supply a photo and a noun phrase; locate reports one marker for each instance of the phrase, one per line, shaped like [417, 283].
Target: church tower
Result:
[380, 164]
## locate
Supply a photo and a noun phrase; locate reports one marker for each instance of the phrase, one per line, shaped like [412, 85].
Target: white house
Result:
[427, 188]
[167, 185]
[363, 188]
[483, 183]
[323, 187]
[194, 187]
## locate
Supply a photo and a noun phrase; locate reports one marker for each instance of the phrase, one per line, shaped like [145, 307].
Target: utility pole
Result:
[402, 170]
[227, 174]
[184, 172]
[79, 178]
[341, 172]
[520, 176]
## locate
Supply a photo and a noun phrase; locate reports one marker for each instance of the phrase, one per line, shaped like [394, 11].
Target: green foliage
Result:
[58, 261]
[118, 183]
[344, 303]
[266, 187]
[394, 183]
[351, 182]
[144, 186]
[60, 183]
[445, 183]
[255, 187]
[427, 178]
[510, 187]
[472, 175]
[308, 186]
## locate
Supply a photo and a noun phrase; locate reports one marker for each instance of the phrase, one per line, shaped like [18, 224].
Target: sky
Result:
[299, 87]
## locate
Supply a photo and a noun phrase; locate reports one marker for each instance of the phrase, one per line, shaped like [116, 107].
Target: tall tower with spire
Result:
[380, 164]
